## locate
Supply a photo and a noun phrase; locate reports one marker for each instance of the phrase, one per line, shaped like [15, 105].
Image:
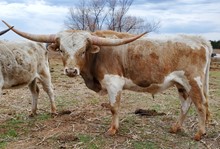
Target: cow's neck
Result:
[88, 75]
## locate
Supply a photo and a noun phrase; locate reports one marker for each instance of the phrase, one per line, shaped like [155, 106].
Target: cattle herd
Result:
[110, 62]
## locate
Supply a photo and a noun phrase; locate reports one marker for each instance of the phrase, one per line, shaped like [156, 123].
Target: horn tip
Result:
[145, 32]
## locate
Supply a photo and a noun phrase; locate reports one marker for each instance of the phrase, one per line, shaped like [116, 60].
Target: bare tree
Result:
[78, 17]
[124, 6]
[95, 15]
[111, 20]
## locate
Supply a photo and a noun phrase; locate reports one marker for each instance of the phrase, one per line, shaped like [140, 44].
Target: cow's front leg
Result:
[114, 85]
[114, 107]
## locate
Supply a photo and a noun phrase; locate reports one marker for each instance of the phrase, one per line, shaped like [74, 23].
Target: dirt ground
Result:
[216, 51]
[83, 121]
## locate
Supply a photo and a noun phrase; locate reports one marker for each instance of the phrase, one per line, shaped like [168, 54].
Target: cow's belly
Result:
[17, 83]
[152, 88]
[117, 83]
[176, 77]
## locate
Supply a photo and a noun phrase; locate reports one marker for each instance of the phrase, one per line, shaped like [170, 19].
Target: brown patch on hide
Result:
[19, 58]
[154, 56]
[199, 56]
[30, 52]
[108, 62]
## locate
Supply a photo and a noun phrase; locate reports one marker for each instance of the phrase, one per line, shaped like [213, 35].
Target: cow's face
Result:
[73, 46]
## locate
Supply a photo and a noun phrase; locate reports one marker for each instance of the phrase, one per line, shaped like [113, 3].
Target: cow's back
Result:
[147, 61]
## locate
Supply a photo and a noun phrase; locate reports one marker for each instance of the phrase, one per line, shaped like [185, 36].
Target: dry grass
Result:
[82, 122]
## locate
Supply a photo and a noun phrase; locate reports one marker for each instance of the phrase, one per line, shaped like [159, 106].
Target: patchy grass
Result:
[145, 145]
[86, 121]
[9, 129]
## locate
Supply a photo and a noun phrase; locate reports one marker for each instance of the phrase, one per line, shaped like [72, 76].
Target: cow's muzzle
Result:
[72, 72]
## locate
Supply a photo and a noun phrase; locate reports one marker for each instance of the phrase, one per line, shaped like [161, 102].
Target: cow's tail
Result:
[209, 51]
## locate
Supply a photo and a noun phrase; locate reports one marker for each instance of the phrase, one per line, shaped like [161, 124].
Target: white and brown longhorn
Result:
[22, 64]
[144, 65]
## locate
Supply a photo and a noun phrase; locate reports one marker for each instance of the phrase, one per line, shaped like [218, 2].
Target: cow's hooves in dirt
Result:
[54, 114]
[32, 115]
[110, 132]
[174, 129]
[198, 136]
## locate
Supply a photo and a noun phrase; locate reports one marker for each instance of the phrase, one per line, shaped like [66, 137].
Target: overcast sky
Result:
[199, 17]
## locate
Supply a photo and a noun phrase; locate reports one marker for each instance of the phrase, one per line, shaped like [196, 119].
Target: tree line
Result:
[215, 44]
[95, 15]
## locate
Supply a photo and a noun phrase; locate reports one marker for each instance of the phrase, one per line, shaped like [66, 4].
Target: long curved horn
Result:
[39, 38]
[5, 31]
[113, 42]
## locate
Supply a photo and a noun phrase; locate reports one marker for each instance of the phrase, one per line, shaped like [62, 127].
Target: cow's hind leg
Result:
[198, 98]
[208, 115]
[185, 105]
[35, 94]
[45, 79]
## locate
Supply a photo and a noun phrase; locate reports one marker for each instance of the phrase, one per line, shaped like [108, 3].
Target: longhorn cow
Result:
[145, 65]
[22, 63]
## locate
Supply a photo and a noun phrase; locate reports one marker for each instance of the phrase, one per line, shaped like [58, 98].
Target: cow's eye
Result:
[61, 51]
[83, 53]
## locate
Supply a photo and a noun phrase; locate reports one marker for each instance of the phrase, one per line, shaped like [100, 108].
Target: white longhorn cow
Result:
[22, 63]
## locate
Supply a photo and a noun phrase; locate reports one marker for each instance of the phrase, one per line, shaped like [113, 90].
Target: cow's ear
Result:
[54, 46]
[94, 49]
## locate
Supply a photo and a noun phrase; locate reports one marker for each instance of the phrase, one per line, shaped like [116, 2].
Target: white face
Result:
[72, 48]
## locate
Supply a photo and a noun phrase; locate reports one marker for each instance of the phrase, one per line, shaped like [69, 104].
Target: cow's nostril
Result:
[66, 70]
[75, 71]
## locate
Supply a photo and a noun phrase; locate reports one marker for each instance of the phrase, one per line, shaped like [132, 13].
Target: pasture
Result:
[82, 121]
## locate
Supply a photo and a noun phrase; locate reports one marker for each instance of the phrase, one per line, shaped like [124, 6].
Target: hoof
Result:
[54, 114]
[198, 136]
[175, 129]
[111, 132]
[32, 115]
[208, 120]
